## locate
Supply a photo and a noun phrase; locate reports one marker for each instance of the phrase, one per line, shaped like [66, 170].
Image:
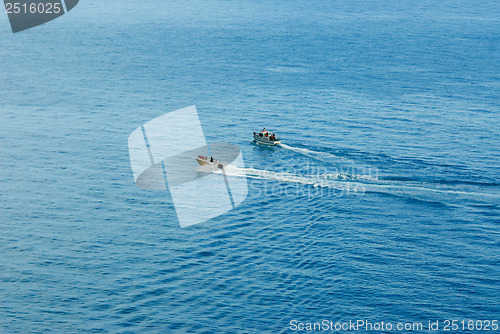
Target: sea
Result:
[381, 206]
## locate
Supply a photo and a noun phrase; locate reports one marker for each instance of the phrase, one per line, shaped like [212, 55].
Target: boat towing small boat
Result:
[265, 137]
[205, 160]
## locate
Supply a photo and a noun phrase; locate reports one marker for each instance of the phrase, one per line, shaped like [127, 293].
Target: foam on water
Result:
[361, 183]
[322, 156]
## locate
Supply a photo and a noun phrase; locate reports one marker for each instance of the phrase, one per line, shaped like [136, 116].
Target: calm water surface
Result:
[383, 205]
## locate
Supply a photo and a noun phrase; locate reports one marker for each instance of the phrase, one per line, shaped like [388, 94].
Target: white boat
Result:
[204, 161]
[266, 138]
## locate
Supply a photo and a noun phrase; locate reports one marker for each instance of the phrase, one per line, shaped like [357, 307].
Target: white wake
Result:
[323, 156]
[359, 183]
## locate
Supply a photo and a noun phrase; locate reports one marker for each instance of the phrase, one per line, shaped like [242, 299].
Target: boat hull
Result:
[202, 162]
[266, 142]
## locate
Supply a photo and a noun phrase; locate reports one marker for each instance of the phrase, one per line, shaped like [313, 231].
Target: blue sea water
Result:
[382, 205]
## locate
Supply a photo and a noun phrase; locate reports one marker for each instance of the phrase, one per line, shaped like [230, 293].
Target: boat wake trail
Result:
[356, 184]
[294, 178]
[322, 156]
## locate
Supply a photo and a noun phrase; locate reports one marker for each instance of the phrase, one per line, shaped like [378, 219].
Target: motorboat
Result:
[265, 137]
[205, 160]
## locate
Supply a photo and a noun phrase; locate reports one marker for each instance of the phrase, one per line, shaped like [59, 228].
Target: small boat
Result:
[203, 161]
[266, 138]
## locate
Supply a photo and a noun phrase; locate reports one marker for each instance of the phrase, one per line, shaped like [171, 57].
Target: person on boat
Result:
[264, 130]
[211, 159]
